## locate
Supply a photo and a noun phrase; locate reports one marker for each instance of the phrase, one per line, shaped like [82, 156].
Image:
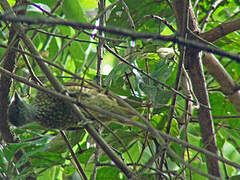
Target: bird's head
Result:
[20, 113]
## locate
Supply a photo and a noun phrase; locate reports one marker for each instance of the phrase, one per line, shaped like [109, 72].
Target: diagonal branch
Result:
[214, 67]
[228, 86]
[221, 30]
[201, 45]
[59, 87]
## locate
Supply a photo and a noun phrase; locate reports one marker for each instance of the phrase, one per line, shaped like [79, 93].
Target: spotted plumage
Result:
[52, 112]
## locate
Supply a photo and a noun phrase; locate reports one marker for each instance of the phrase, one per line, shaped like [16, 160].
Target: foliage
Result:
[46, 150]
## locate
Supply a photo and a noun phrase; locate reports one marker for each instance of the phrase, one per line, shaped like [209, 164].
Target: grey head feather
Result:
[21, 113]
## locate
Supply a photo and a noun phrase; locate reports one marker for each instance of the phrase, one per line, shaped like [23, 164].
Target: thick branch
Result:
[196, 74]
[5, 84]
[228, 86]
[221, 30]
[194, 68]
[215, 68]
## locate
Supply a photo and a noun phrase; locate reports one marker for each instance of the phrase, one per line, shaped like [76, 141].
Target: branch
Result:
[221, 30]
[200, 44]
[139, 125]
[9, 59]
[193, 66]
[228, 86]
[209, 13]
[59, 87]
[79, 167]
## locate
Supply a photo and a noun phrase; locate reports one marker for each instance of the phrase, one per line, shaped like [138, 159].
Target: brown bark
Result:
[193, 65]
[228, 86]
[221, 30]
[214, 67]
[196, 75]
[5, 84]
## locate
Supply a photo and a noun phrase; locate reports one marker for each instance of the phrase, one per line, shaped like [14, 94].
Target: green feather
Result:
[53, 112]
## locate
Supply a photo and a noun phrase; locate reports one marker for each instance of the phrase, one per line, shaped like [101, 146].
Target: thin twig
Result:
[79, 167]
[59, 87]
[209, 13]
[173, 38]
[128, 15]
[141, 126]
[164, 21]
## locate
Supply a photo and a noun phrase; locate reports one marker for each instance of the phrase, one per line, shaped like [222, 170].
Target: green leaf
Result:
[235, 177]
[89, 4]
[51, 173]
[47, 159]
[3, 161]
[127, 138]
[137, 9]
[108, 173]
[73, 11]
[115, 74]
[162, 71]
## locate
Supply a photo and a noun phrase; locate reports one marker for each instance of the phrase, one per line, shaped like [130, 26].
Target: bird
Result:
[54, 113]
